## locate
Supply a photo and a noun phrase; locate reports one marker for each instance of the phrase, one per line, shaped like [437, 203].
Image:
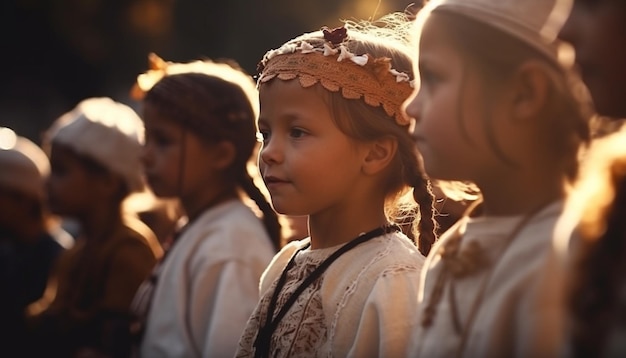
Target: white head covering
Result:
[23, 165]
[109, 132]
[536, 22]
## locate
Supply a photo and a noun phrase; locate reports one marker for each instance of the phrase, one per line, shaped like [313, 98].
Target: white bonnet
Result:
[536, 22]
[109, 132]
[23, 164]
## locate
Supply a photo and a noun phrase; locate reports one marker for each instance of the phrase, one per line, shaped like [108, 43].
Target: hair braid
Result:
[270, 218]
[422, 194]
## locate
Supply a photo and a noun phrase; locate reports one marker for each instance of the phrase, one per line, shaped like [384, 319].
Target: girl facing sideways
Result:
[336, 147]
[200, 134]
[496, 109]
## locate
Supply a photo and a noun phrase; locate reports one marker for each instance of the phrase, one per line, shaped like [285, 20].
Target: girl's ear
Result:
[530, 91]
[223, 154]
[380, 153]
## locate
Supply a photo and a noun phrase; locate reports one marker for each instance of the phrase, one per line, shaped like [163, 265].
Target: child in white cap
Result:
[494, 108]
[30, 239]
[94, 155]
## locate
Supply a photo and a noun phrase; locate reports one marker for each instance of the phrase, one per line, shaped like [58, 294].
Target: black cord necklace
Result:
[262, 341]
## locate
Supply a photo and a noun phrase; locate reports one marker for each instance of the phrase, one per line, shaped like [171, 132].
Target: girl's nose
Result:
[271, 152]
[412, 106]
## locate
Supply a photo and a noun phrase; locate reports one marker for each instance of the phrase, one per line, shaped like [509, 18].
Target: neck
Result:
[331, 229]
[521, 193]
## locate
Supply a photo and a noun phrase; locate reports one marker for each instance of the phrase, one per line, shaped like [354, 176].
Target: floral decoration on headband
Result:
[336, 35]
[336, 68]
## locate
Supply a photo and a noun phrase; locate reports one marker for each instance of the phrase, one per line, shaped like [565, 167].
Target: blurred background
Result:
[55, 53]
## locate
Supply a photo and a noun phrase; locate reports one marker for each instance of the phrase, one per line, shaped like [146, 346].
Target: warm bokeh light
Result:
[8, 138]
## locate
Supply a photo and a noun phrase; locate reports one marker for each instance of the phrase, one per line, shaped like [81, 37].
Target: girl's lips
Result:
[272, 181]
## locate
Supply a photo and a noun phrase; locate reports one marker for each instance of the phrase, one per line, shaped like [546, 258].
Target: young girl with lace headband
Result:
[337, 148]
[494, 108]
[200, 134]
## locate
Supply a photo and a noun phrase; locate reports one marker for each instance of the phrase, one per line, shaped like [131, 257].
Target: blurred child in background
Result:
[30, 238]
[200, 135]
[94, 156]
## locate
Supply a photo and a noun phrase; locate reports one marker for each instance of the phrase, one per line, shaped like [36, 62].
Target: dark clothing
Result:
[97, 281]
[24, 271]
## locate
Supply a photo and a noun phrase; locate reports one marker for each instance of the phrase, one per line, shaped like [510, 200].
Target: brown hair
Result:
[216, 110]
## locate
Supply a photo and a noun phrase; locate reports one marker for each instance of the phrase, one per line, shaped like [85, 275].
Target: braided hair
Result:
[389, 38]
[217, 109]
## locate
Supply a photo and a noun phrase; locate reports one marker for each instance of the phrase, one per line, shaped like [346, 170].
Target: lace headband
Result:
[337, 69]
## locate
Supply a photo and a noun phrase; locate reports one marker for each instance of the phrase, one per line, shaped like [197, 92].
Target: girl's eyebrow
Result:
[286, 117]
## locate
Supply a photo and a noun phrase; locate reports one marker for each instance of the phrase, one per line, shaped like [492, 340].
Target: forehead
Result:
[155, 118]
[433, 34]
[282, 95]
[436, 45]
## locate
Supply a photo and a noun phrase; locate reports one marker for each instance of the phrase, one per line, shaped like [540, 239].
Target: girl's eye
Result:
[428, 77]
[297, 133]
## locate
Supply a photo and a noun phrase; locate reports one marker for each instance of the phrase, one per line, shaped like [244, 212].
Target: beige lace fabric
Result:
[303, 330]
[336, 69]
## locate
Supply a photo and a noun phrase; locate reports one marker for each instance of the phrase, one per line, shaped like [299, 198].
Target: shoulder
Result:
[383, 253]
[386, 258]
[232, 219]
[133, 247]
[228, 232]
[279, 261]
[534, 243]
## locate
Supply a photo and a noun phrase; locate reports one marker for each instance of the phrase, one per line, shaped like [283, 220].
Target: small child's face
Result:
[448, 108]
[597, 30]
[168, 150]
[308, 164]
[69, 184]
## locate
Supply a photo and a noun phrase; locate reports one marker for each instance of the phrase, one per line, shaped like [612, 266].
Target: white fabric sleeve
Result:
[388, 315]
[223, 298]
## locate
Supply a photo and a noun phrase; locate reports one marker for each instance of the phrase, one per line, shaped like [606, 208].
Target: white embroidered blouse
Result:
[362, 306]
